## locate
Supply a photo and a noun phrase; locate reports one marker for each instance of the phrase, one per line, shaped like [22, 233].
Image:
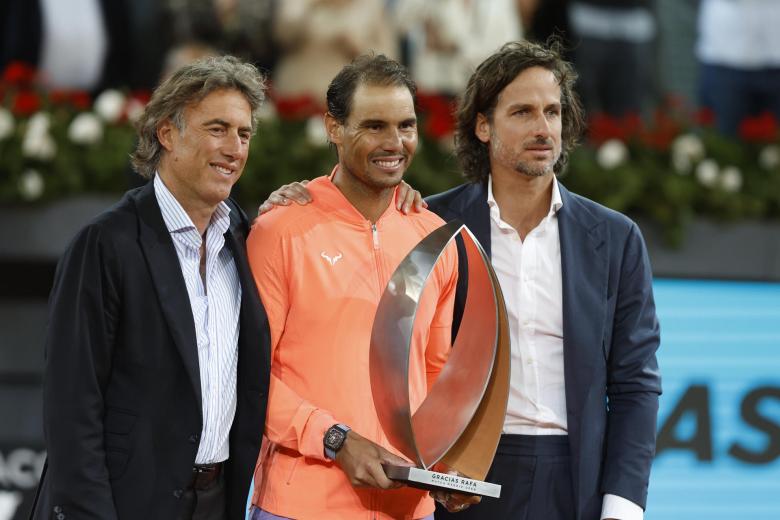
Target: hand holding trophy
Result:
[459, 422]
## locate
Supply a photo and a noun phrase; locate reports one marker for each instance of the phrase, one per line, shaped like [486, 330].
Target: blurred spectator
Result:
[318, 37]
[614, 53]
[83, 44]
[239, 27]
[739, 53]
[184, 54]
[449, 38]
[677, 64]
[545, 18]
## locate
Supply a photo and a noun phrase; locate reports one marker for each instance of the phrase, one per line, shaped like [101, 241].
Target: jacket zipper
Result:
[375, 236]
[377, 261]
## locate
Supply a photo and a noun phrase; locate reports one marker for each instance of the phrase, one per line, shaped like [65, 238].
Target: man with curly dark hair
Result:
[579, 432]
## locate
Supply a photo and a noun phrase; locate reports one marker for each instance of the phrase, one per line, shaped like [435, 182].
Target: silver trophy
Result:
[459, 422]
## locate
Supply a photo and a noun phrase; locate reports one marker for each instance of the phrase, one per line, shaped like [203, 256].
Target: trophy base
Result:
[434, 481]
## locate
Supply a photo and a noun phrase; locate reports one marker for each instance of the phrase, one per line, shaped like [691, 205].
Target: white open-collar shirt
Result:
[529, 272]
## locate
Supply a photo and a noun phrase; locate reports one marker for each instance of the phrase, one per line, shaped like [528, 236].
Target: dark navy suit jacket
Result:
[610, 337]
[122, 392]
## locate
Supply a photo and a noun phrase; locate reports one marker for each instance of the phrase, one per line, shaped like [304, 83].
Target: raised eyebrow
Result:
[409, 121]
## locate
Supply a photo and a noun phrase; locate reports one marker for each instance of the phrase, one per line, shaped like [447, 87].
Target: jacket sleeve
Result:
[79, 347]
[291, 421]
[633, 378]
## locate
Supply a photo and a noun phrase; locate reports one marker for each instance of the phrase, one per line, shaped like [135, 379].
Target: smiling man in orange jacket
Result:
[321, 270]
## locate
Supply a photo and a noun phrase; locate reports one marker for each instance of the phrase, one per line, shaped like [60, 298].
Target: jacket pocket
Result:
[119, 421]
[116, 462]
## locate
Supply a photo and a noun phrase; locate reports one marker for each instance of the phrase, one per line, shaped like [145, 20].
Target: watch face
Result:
[334, 438]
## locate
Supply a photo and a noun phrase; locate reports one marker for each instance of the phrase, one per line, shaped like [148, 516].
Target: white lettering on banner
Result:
[21, 468]
[9, 503]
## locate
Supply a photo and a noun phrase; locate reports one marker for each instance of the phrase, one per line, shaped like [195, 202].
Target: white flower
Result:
[688, 145]
[267, 111]
[681, 163]
[686, 149]
[315, 131]
[731, 179]
[707, 172]
[31, 185]
[38, 124]
[135, 109]
[6, 123]
[85, 128]
[612, 154]
[769, 158]
[37, 142]
[109, 105]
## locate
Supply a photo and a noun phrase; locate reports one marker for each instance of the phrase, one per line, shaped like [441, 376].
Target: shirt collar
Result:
[555, 201]
[177, 220]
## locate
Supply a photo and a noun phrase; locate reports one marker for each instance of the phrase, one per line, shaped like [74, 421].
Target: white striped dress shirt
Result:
[215, 310]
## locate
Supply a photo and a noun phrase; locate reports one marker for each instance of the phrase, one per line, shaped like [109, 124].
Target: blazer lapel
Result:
[168, 281]
[474, 211]
[254, 338]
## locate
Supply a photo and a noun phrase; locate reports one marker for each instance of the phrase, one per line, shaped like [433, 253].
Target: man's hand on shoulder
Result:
[293, 192]
[362, 461]
[406, 198]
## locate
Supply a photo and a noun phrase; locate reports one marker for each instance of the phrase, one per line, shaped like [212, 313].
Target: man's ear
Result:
[482, 128]
[165, 134]
[334, 129]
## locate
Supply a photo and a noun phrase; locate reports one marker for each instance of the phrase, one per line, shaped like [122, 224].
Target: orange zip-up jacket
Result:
[321, 270]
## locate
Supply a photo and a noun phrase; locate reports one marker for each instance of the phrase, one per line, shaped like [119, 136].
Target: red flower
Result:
[297, 107]
[26, 103]
[18, 73]
[438, 109]
[143, 96]
[74, 98]
[59, 97]
[603, 128]
[632, 125]
[663, 132]
[705, 117]
[80, 100]
[759, 129]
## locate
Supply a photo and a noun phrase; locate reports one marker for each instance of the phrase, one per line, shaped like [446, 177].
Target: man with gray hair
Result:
[157, 348]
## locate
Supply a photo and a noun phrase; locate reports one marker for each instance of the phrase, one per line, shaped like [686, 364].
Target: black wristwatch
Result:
[334, 439]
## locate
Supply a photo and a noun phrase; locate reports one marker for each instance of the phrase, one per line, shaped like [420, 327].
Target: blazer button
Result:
[57, 509]
[178, 493]
[194, 438]
[60, 516]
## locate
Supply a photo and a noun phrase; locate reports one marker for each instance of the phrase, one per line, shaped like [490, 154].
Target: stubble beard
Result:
[535, 170]
[369, 183]
[527, 168]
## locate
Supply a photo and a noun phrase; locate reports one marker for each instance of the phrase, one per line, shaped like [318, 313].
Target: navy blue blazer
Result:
[610, 337]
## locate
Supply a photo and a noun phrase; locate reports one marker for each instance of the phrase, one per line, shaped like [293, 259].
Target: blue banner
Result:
[718, 453]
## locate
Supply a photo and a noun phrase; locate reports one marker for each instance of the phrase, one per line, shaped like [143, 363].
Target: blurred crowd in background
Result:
[632, 55]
